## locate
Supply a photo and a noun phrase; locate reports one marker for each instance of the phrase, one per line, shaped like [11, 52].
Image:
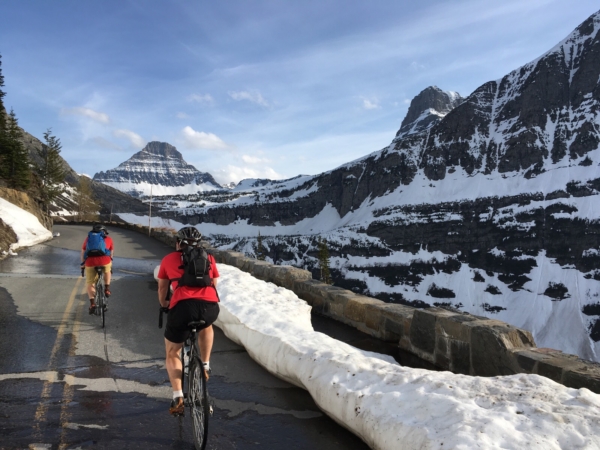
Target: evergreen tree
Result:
[15, 159]
[2, 94]
[261, 253]
[87, 206]
[51, 170]
[323, 258]
[3, 137]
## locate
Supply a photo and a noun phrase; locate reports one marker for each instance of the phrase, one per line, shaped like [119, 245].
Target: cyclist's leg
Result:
[107, 273]
[173, 362]
[206, 338]
[90, 280]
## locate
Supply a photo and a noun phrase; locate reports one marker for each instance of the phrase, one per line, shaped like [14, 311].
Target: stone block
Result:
[453, 326]
[422, 330]
[292, 275]
[356, 307]
[585, 376]
[557, 364]
[441, 361]
[442, 346]
[238, 260]
[309, 290]
[528, 359]
[460, 357]
[261, 270]
[492, 346]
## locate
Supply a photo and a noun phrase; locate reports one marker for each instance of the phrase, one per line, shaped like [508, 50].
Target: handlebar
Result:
[161, 310]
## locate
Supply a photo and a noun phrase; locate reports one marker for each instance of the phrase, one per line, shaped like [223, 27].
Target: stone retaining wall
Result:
[450, 340]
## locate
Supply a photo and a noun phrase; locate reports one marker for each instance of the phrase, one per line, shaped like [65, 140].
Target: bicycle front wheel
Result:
[198, 402]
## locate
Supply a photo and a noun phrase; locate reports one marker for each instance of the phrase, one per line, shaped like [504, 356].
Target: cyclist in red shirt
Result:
[187, 304]
[95, 261]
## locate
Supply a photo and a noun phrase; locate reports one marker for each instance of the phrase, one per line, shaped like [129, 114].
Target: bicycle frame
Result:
[99, 297]
[193, 377]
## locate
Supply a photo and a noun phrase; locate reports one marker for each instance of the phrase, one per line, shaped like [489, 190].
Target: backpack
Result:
[95, 245]
[196, 268]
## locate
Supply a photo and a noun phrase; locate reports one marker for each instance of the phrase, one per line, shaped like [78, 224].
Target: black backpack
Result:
[196, 267]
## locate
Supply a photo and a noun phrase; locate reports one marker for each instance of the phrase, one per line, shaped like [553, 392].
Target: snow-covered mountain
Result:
[159, 168]
[488, 204]
[427, 109]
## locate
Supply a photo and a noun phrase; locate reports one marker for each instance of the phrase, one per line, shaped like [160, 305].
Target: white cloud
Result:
[415, 66]
[254, 159]
[205, 99]
[86, 112]
[182, 115]
[251, 96]
[200, 140]
[371, 103]
[237, 173]
[135, 139]
[104, 143]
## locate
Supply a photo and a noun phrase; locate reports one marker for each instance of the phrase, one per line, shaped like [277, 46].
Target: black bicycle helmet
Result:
[98, 227]
[189, 236]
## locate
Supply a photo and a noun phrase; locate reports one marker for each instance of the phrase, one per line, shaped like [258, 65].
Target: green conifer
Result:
[323, 258]
[261, 253]
[51, 169]
[15, 159]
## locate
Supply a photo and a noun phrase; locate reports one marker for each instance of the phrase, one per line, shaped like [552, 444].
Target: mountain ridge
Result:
[487, 209]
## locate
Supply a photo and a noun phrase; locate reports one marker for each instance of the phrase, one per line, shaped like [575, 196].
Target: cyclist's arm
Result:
[163, 288]
[82, 252]
[214, 281]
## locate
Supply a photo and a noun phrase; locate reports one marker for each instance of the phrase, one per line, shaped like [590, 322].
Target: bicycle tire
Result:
[198, 403]
[102, 312]
[100, 298]
[182, 357]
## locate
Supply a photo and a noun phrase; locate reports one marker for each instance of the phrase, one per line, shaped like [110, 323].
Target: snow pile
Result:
[26, 226]
[390, 406]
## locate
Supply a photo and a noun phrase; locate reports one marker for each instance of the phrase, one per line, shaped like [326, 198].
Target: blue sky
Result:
[255, 88]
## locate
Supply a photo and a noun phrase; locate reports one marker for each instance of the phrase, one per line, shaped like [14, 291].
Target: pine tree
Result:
[51, 170]
[3, 136]
[323, 258]
[15, 159]
[87, 206]
[261, 253]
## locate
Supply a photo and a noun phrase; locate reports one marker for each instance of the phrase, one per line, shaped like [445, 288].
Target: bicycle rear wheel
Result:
[100, 300]
[198, 402]
[102, 311]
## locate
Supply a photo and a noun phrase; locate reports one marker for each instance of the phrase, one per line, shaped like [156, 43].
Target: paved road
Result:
[65, 383]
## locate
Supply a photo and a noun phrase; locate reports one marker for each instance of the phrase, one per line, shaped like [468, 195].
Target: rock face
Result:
[427, 109]
[158, 165]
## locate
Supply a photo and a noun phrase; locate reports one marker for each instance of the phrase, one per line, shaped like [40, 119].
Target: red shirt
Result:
[94, 261]
[169, 270]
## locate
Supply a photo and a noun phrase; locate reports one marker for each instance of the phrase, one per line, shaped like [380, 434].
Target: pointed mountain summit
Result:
[427, 109]
[158, 167]
[538, 116]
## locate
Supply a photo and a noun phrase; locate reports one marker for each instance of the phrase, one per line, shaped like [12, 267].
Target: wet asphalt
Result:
[66, 383]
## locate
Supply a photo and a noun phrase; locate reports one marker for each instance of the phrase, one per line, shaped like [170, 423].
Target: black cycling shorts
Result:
[186, 311]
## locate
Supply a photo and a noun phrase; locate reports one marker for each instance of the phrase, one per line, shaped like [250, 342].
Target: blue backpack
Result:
[95, 245]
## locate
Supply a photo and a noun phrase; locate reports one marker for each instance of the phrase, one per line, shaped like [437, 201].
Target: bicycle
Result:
[100, 296]
[196, 397]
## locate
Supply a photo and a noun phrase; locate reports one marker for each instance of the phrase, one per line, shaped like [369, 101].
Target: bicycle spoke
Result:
[198, 402]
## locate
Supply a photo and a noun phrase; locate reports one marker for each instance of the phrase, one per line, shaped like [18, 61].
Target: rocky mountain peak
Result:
[162, 149]
[158, 168]
[428, 108]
